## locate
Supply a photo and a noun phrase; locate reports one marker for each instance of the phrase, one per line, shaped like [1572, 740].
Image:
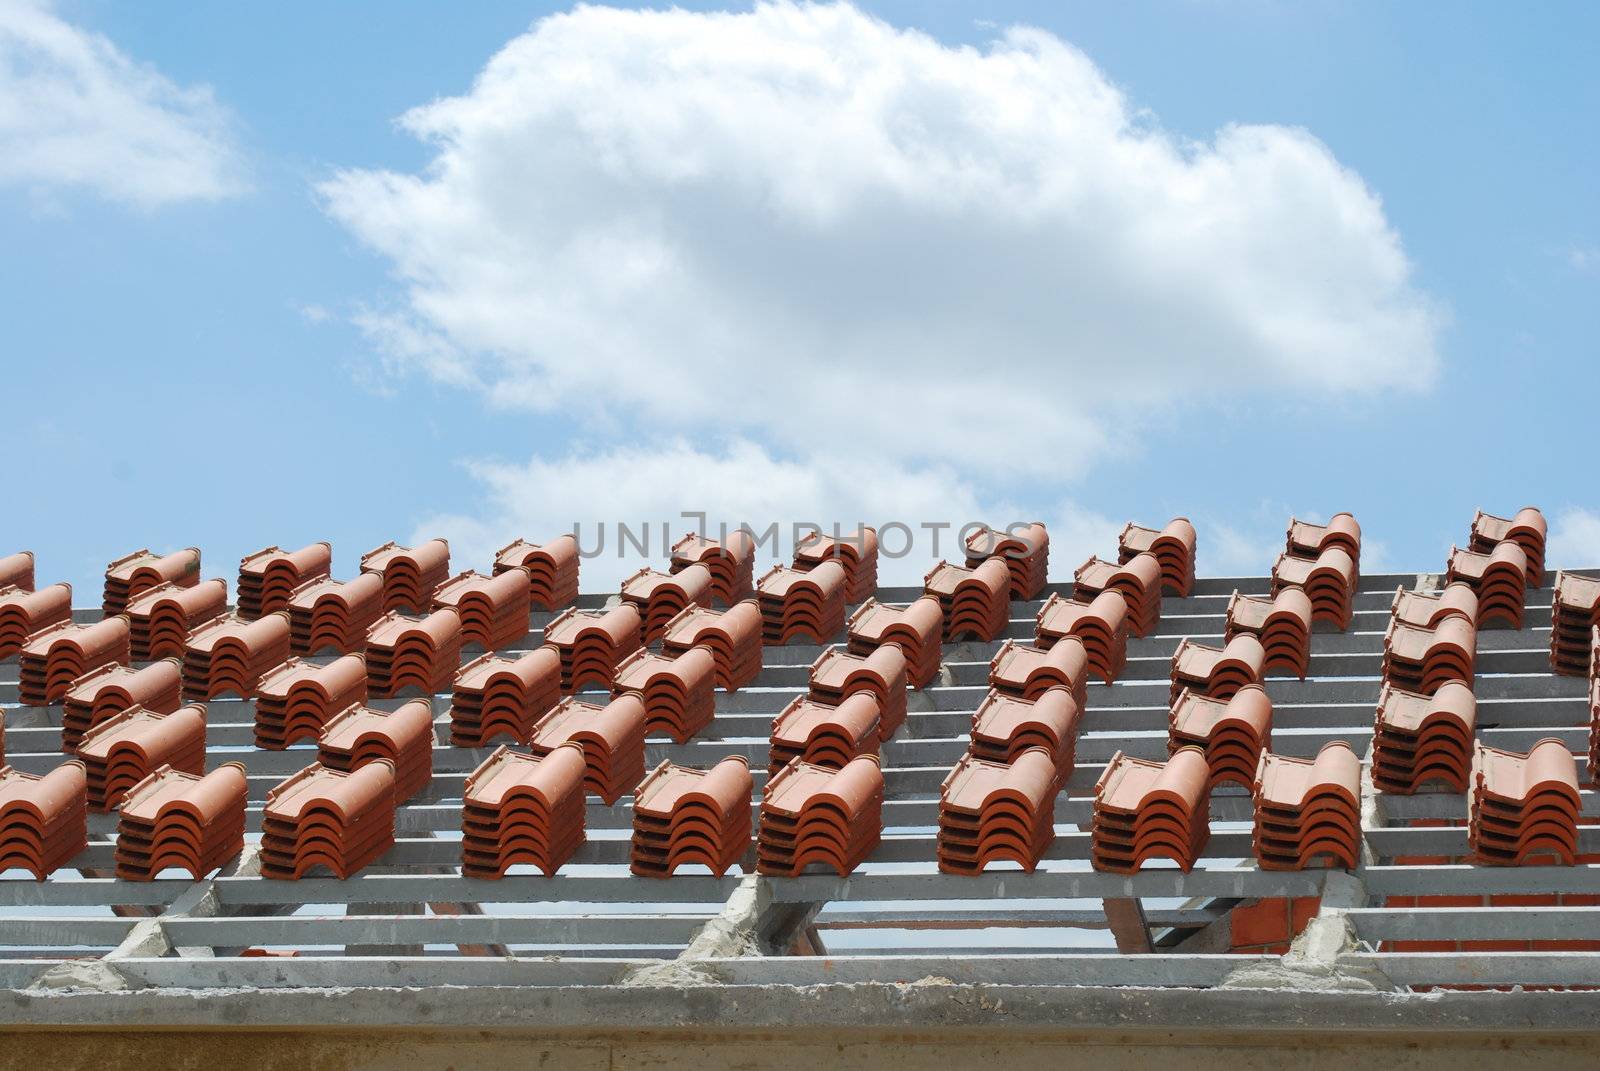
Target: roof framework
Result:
[413, 920]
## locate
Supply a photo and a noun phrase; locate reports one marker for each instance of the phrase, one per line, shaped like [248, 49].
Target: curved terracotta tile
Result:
[825, 734]
[1027, 671]
[917, 628]
[1526, 528]
[137, 572]
[1173, 546]
[25, 613]
[53, 658]
[684, 815]
[16, 570]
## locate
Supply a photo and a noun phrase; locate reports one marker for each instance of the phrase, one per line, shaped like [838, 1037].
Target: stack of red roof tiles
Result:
[1420, 738]
[975, 599]
[54, 658]
[1421, 658]
[493, 610]
[813, 814]
[1498, 577]
[1232, 733]
[523, 809]
[142, 570]
[1173, 546]
[128, 747]
[1004, 726]
[1101, 625]
[1524, 807]
[730, 560]
[230, 654]
[161, 620]
[359, 735]
[1575, 613]
[25, 613]
[334, 615]
[410, 574]
[552, 569]
[177, 819]
[836, 675]
[1308, 808]
[1282, 623]
[915, 628]
[110, 690]
[413, 652]
[733, 637]
[1028, 672]
[1146, 810]
[296, 700]
[683, 815]
[1324, 561]
[331, 818]
[1217, 672]
[1025, 549]
[678, 694]
[611, 738]
[858, 553]
[497, 696]
[824, 734]
[16, 570]
[990, 811]
[1526, 528]
[660, 597]
[592, 643]
[1138, 581]
[798, 603]
[268, 578]
[43, 819]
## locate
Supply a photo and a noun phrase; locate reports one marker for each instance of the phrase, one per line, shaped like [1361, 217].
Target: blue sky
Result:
[269, 353]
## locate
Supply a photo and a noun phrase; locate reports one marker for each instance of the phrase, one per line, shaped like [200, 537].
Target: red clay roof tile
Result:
[837, 674]
[1329, 581]
[230, 654]
[1308, 540]
[1423, 659]
[181, 820]
[733, 636]
[268, 578]
[43, 818]
[1526, 528]
[811, 814]
[410, 574]
[322, 817]
[1217, 672]
[126, 748]
[857, 552]
[1025, 550]
[1004, 726]
[1173, 546]
[413, 652]
[142, 570]
[297, 699]
[161, 619]
[1146, 810]
[496, 696]
[16, 570]
[659, 597]
[915, 627]
[552, 569]
[825, 733]
[684, 815]
[1138, 580]
[24, 613]
[54, 658]
[1101, 625]
[592, 643]
[731, 562]
[334, 615]
[1027, 672]
[991, 811]
[1498, 576]
[1232, 732]
[799, 603]
[1575, 611]
[109, 690]
[611, 736]
[1308, 808]
[360, 734]
[678, 693]
[1419, 738]
[494, 610]
[523, 809]
[1525, 807]
[1282, 623]
[976, 600]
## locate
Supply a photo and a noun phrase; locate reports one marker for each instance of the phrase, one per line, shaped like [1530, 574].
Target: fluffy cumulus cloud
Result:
[75, 111]
[1574, 541]
[803, 226]
[647, 489]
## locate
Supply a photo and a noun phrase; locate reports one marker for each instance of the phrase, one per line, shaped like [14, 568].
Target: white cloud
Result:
[801, 224]
[1583, 258]
[75, 111]
[1574, 540]
[648, 488]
